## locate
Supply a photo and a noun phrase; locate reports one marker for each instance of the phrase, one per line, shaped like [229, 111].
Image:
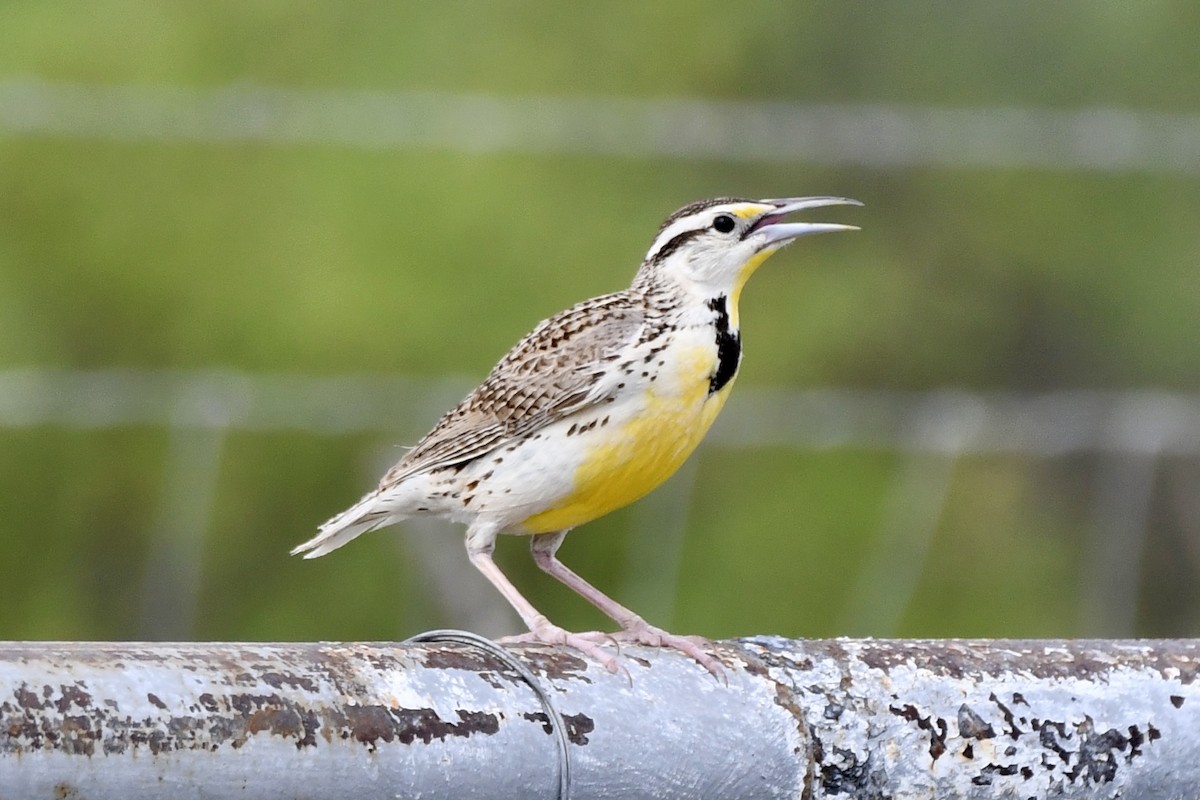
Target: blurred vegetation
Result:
[332, 260]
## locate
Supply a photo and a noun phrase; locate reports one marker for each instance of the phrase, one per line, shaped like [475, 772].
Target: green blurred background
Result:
[165, 241]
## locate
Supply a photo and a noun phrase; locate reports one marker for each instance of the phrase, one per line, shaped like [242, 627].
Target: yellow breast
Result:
[625, 463]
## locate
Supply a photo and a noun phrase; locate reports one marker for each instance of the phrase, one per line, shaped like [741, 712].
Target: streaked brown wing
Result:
[553, 372]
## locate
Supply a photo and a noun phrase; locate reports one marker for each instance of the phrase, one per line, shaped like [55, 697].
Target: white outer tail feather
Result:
[361, 517]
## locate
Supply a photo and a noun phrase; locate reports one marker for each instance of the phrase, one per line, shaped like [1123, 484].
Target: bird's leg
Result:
[480, 544]
[544, 547]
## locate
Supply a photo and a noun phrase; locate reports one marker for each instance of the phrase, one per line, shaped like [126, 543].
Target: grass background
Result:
[331, 260]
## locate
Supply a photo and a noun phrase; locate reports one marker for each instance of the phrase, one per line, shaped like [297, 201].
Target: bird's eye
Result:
[723, 223]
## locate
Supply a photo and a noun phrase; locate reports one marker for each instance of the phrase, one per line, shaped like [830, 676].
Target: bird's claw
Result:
[641, 632]
[590, 642]
[587, 643]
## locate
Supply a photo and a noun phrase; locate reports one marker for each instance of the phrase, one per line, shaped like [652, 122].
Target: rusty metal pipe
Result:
[797, 719]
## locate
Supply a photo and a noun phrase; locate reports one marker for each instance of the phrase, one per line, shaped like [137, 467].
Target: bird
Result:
[594, 408]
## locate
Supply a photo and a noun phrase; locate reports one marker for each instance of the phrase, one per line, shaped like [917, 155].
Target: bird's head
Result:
[713, 246]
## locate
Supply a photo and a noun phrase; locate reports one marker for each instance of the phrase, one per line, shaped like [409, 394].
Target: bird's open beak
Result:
[769, 225]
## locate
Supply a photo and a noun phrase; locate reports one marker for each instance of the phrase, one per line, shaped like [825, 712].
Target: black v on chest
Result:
[729, 346]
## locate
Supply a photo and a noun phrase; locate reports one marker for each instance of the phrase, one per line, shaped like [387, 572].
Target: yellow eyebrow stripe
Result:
[748, 210]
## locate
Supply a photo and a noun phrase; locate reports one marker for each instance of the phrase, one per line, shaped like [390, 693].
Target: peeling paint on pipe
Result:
[987, 719]
[836, 718]
[377, 720]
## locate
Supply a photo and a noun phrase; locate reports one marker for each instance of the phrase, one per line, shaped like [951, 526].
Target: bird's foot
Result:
[641, 632]
[588, 643]
[637, 632]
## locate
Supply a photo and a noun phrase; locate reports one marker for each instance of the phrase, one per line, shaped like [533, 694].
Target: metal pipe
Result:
[835, 718]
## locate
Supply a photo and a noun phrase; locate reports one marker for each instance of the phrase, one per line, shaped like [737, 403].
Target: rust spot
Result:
[1097, 759]
[279, 721]
[246, 704]
[278, 680]
[469, 659]
[25, 728]
[310, 723]
[78, 738]
[833, 711]
[984, 778]
[540, 716]
[372, 724]
[72, 695]
[1050, 740]
[935, 727]
[27, 699]
[1009, 719]
[845, 773]
[1136, 740]
[578, 726]
[555, 663]
[972, 726]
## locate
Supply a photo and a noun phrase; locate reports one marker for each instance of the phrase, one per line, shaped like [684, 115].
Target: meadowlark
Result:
[597, 406]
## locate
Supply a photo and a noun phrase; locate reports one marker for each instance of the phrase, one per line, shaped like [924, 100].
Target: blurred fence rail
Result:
[1143, 422]
[1128, 432]
[878, 135]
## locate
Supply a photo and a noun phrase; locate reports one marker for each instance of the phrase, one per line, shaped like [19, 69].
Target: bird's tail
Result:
[365, 515]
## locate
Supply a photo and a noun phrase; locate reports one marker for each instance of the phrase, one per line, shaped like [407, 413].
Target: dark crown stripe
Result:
[699, 205]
